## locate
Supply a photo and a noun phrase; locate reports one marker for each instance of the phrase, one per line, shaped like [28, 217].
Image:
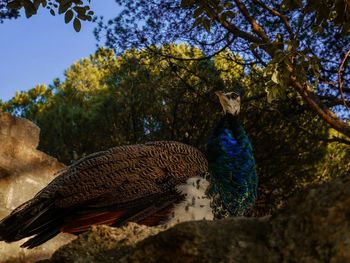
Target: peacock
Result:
[161, 182]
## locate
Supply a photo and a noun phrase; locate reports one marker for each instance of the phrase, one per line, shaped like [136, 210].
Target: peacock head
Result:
[230, 102]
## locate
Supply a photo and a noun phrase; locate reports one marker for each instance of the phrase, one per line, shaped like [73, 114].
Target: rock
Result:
[19, 130]
[23, 169]
[229, 240]
[240, 239]
[92, 246]
[23, 172]
[313, 228]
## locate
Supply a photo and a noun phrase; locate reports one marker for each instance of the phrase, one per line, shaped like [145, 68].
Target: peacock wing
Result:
[127, 183]
[125, 174]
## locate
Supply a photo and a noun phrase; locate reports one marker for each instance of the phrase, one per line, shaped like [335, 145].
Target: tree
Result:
[29, 104]
[295, 58]
[105, 101]
[298, 44]
[301, 44]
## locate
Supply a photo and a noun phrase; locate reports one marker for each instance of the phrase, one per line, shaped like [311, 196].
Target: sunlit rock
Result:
[23, 172]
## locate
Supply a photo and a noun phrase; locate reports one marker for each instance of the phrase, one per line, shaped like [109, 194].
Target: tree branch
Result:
[340, 82]
[313, 135]
[326, 114]
[255, 26]
[333, 101]
[347, 90]
[258, 57]
[276, 13]
[319, 138]
[305, 92]
[232, 28]
[154, 50]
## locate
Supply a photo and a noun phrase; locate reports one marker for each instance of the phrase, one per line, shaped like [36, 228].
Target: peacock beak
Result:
[219, 93]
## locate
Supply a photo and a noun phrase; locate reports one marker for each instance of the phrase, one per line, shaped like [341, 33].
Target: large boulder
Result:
[313, 228]
[23, 172]
[93, 246]
[240, 239]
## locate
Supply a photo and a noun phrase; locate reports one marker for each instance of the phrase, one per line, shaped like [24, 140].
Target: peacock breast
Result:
[196, 204]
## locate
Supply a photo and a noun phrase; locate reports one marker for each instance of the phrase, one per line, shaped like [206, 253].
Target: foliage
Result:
[77, 9]
[295, 59]
[298, 44]
[6, 13]
[336, 161]
[301, 44]
[136, 97]
[29, 103]
[123, 100]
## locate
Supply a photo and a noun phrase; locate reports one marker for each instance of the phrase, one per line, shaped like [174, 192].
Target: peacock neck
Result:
[232, 168]
[228, 121]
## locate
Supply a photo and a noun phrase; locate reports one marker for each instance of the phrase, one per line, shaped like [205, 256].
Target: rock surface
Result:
[312, 228]
[200, 241]
[94, 245]
[23, 172]
[315, 227]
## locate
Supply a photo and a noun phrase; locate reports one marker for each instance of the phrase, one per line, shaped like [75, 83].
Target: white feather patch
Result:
[196, 205]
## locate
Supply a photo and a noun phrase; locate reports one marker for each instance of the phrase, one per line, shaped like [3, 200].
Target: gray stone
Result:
[23, 172]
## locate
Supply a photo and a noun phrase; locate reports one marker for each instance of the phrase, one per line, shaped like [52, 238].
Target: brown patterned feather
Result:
[84, 222]
[131, 179]
[131, 172]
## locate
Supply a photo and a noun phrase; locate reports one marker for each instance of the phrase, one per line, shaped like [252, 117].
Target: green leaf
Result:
[228, 5]
[64, 8]
[197, 22]
[52, 12]
[80, 10]
[68, 16]
[14, 5]
[37, 3]
[206, 25]
[274, 77]
[83, 17]
[29, 8]
[254, 46]
[229, 14]
[187, 3]
[65, 2]
[76, 24]
[292, 4]
[198, 12]
[269, 95]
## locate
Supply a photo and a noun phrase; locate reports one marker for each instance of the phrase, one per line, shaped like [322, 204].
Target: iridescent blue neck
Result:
[232, 167]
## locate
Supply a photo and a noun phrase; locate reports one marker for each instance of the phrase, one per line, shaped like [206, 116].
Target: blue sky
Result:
[37, 50]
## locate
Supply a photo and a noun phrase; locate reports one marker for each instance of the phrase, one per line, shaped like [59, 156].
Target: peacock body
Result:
[152, 183]
[233, 186]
